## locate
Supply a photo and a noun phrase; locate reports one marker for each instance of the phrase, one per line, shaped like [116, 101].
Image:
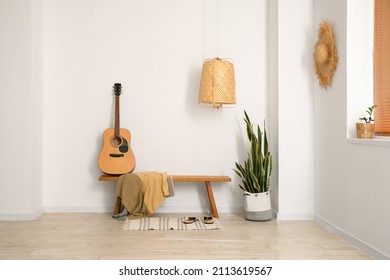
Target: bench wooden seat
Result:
[181, 178]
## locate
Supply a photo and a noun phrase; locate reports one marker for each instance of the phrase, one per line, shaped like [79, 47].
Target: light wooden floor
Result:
[98, 236]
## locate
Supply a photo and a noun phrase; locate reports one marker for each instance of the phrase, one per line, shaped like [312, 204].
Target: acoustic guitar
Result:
[116, 156]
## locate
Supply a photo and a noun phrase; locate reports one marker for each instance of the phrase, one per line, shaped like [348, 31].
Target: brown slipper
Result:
[190, 220]
[208, 220]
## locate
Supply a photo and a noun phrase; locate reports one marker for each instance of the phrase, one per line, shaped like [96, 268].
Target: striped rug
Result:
[169, 223]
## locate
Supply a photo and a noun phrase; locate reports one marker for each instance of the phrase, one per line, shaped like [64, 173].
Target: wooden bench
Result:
[180, 178]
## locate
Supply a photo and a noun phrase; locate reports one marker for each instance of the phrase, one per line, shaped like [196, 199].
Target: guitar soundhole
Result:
[116, 141]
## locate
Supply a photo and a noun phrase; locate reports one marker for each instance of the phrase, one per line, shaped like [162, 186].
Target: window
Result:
[382, 66]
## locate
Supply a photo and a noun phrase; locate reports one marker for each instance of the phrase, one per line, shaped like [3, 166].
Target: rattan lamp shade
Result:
[217, 86]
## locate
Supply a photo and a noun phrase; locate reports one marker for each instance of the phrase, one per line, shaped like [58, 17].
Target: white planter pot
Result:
[258, 206]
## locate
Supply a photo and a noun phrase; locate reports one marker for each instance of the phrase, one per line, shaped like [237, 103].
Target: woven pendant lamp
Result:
[217, 85]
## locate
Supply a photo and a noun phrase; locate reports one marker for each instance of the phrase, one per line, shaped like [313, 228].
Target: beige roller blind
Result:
[382, 66]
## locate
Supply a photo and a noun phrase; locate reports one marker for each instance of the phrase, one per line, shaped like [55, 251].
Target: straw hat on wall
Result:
[325, 55]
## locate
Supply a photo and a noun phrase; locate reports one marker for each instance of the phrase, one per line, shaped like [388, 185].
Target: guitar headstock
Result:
[117, 89]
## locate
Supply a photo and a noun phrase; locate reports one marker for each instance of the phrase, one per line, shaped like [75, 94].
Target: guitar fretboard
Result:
[116, 128]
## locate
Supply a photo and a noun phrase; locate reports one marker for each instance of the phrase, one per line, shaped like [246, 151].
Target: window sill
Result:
[377, 141]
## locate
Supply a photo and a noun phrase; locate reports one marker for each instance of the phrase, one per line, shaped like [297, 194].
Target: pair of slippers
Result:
[206, 220]
[121, 216]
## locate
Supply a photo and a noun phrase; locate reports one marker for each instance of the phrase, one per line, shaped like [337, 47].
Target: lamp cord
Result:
[218, 28]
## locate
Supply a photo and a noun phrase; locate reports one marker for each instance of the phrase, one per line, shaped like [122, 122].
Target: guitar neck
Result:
[116, 127]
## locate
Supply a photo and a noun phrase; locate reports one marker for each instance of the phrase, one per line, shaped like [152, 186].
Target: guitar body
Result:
[116, 156]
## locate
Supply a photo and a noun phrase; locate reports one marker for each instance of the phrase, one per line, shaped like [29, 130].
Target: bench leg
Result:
[118, 204]
[211, 199]
[210, 193]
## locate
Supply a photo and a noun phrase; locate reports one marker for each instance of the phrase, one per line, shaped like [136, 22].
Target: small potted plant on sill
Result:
[255, 175]
[366, 129]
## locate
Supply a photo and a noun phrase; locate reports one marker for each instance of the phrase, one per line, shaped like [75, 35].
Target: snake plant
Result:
[257, 169]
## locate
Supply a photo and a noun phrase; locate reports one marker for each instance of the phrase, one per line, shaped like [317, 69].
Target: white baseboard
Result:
[21, 216]
[177, 209]
[38, 213]
[106, 209]
[78, 209]
[197, 209]
[294, 216]
[161, 209]
[376, 254]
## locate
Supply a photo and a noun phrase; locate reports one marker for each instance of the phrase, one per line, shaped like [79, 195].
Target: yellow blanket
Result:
[142, 193]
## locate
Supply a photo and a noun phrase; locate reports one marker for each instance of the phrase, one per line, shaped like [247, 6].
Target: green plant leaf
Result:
[257, 168]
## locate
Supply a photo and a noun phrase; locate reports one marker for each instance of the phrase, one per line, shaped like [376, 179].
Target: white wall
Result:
[37, 107]
[273, 102]
[20, 110]
[360, 93]
[352, 180]
[157, 54]
[155, 49]
[52, 121]
[295, 110]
